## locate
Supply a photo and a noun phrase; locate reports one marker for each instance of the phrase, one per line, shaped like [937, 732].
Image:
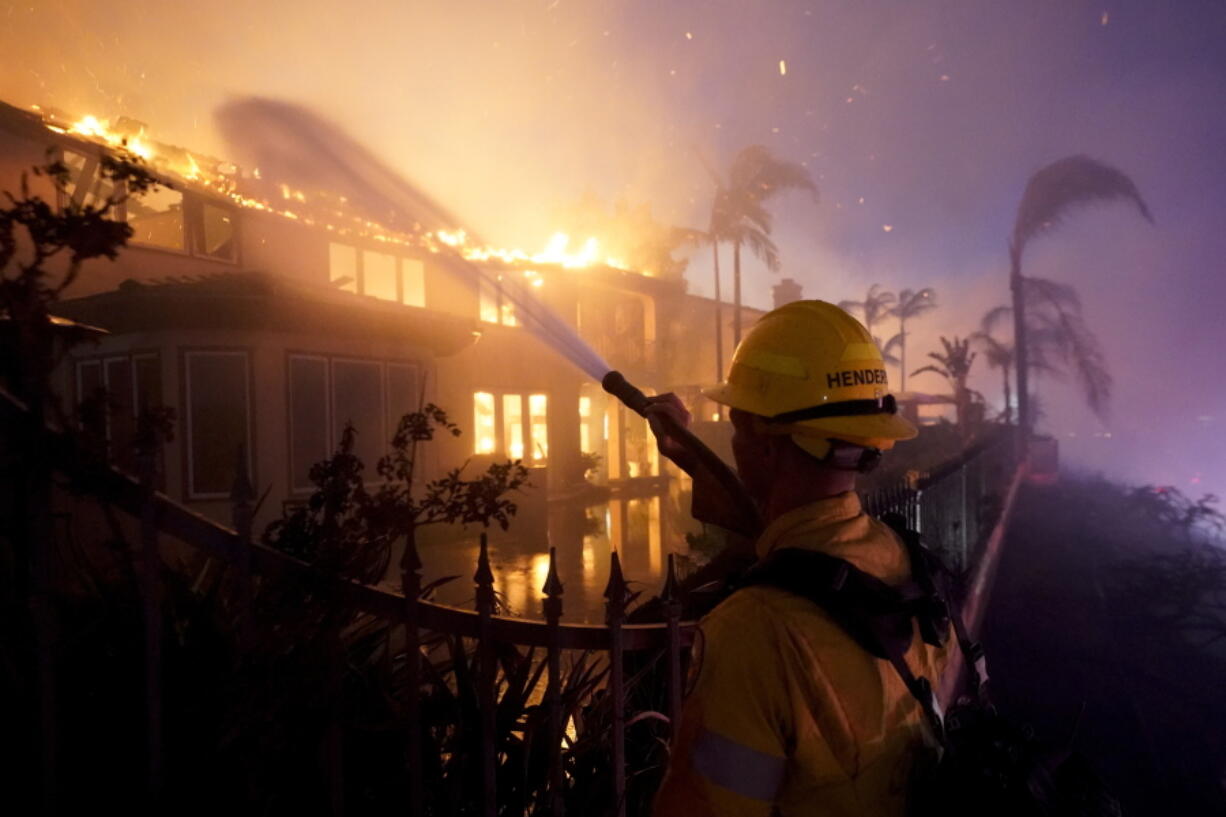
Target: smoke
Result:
[926, 118]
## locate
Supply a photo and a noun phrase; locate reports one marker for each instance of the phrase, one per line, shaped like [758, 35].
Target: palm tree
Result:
[911, 304]
[1049, 196]
[875, 306]
[955, 366]
[887, 349]
[739, 215]
[999, 355]
[1057, 340]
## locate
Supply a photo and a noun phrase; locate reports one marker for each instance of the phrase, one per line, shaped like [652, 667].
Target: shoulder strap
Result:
[876, 615]
[935, 577]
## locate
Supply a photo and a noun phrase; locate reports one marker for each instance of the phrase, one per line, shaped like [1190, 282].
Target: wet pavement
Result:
[644, 530]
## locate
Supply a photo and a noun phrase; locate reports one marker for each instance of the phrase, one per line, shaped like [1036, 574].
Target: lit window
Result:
[489, 301]
[156, 218]
[213, 232]
[84, 187]
[513, 425]
[537, 405]
[343, 267]
[379, 276]
[483, 423]
[495, 306]
[585, 424]
[413, 281]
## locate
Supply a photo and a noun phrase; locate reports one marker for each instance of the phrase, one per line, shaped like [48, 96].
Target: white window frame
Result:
[332, 436]
[192, 202]
[188, 354]
[500, 442]
[359, 273]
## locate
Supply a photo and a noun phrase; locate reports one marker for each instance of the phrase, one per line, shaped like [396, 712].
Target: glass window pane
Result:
[513, 426]
[90, 390]
[379, 275]
[403, 394]
[215, 232]
[156, 218]
[489, 300]
[216, 420]
[585, 424]
[121, 412]
[357, 398]
[148, 372]
[343, 267]
[308, 417]
[537, 406]
[483, 423]
[413, 279]
[506, 310]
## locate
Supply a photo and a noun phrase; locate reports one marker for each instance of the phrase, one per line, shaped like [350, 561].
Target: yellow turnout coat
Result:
[786, 714]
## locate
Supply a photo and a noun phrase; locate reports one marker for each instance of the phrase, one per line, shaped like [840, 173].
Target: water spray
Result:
[294, 143]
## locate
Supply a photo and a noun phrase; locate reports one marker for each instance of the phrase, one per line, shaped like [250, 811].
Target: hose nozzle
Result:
[616, 384]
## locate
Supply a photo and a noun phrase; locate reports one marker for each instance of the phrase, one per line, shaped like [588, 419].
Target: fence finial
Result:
[616, 590]
[484, 577]
[553, 584]
[672, 587]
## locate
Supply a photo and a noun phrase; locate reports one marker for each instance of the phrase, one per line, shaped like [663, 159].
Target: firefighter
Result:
[785, 714]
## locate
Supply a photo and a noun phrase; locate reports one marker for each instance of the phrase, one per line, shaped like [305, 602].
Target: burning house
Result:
[269, 322]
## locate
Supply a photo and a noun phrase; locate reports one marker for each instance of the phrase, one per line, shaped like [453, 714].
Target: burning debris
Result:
[321, 207]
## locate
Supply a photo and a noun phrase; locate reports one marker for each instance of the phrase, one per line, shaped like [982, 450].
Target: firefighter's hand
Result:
[667, 410]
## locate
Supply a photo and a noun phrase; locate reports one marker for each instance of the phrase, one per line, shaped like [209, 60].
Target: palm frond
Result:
[1076, 345]
[1042, 291]
[887, 349]
[998, 354]
[760, 174]
[914, 302]
[934, 369]
[760, 245]
[1065, 184]
[994, 318]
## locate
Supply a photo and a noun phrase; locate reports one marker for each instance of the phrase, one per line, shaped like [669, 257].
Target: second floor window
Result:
[165, 218]
[377, 274]
[495, 305]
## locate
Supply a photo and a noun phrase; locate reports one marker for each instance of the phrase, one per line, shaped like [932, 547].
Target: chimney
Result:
[786, 291]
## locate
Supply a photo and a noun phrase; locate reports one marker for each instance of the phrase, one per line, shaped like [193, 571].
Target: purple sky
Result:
[507, 111]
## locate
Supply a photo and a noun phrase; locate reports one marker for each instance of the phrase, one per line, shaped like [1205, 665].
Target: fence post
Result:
[242, 495]
[334, 741]
[552, 607]
[615, 594]
[964, 516]
[410, 585]
[671, 597]
[486, 668]
[151, 603]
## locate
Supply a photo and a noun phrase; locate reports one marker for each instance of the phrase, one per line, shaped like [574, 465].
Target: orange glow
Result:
[326, 210]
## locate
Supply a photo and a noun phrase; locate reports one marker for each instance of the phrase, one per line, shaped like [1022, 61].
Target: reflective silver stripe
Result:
[738, 768]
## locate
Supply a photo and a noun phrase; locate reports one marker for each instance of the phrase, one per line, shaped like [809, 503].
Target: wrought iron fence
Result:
[954, 507]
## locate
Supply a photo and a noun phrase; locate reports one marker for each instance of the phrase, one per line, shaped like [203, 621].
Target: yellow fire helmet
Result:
[812, 371]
